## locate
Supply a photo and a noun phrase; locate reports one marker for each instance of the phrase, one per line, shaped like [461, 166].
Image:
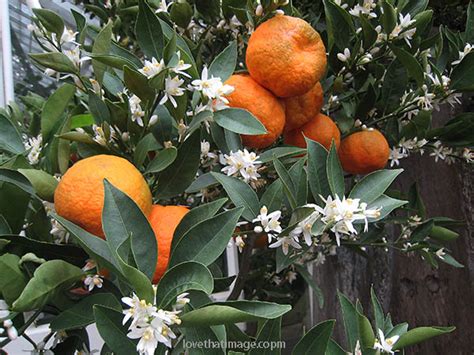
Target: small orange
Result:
[363, 152]
[249, 95]
[320, 129]
[79, 196]
[300, 109]
[164, 220]
[286, 56]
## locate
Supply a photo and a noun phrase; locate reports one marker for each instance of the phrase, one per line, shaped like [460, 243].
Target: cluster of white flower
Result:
[212, 88]
[385, 345]
[404, 148]
[150, 324]
[33, 144]
[366, 9]
[100, 136]
[339, 215]
[440, 152]
[270, 223]
[60, 234]
[136, 110]
[403, 30]
[242, 162]
[468, 48]
[12, 333]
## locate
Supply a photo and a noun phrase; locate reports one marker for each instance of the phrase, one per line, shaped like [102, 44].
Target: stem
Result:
[30, 341]
[244, 269]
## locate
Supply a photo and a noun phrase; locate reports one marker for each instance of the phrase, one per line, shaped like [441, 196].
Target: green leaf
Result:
[81, 314]
[372, 186]
[98, 109]
[334, 173]
[138, 84]
[179, 175]
[349, 315]
[205, 242]
[394, 85]
[162, 130]
[43, 183]
[50, 20]
[145, 145]
[123, 219]
[56, 61]
[422, 231]
[162, 160]
[271, 198]
[280, 152]
[448, 259]
[48, 279]
[469, 33]
[82, 120]
[202, 335]
[223, 65]
[287, 183]
[387, 205]
[315, 341]
[182, 278]
[194, 216]
[241, 194]
[340, 27]
[389, 17]
[417, 335]
[148, 32]
[443, 234]
[367, 337]
[317, 175]
[102, 45]
[462, 78]
[181, 14]
[202, 182]
[270, 332]
[378, 311]
[239, 121]
[12, 279]
[18, 179]
[233, 312]
[334, 348]
[111, 330]
[10, 138]
[411, 64]
[54, 109]
[311, 283]
[113, 61]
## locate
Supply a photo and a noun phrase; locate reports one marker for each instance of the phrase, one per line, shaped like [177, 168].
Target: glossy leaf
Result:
[148, 32]
[315, 341]
[102, 45]
[43, 183]
[241, 194]
[335, 174]
[239, 121]
[224, 63]
[54, 109]
[56, 61]
[372, 186]
[162, 160]
[287, 183]
[270, 332]
[10, 138]
[317, 175]
[50, 20]
[48, 278]
[417, 335]
[12, 279]
[233, 312]
[349, 316]
[182, 278]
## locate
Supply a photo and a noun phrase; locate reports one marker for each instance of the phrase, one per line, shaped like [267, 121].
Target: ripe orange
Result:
[262, 104]
[79, 196]
[164, 220]
[286, 56]
[300, 109]
[320, 129]
[363, 152]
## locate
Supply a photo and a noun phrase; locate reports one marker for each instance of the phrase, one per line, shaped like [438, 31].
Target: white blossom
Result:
[339, 3]
[240, 242]
[212, 87]
[468, 155]
[425, 101]
[136, 110]
[341, 214]
[33, 144]
[396, 153]
[242, 162]
[206, 154]
[181, 67]
[172, 88]
[92, 281]
[163, 6]
[467, 49]
[345, 56]
[153, 67]
[11, 330]
[181, 301]
[385, 345]
[441, 152]
[401, 31]
[365, 9]
[270, 222]
[285, 242]
[291, 276]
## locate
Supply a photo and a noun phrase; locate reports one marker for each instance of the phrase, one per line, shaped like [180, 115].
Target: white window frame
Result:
[6, 69]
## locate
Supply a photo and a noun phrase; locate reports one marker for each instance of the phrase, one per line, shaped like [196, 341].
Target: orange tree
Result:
[159, 98]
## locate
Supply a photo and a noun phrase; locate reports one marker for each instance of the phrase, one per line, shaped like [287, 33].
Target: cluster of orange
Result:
[286, 60]
[79, 198]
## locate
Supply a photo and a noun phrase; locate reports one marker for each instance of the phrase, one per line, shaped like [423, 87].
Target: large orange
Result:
[79, 196]
[301, 109]
[320, 129]
[249, 95]
[286, 55]
[363, 152]
[164, 220]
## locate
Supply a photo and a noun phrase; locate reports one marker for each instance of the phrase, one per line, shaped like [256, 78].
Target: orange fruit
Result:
[249, 95]
[320, 129]
[286, 56]
[363, 152]
[300, 109]
[79, 196]
[164, 220]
